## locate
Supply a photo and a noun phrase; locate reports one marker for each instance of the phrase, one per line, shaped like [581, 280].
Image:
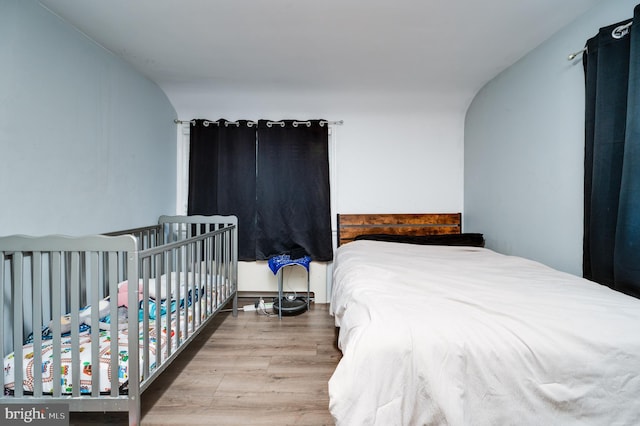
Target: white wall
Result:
[524, 149]
[87, 144]
[395, 153]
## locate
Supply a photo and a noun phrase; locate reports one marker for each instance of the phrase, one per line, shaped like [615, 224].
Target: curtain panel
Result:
[293, 208]
[222, 164]
[274, 176]
[611, 249]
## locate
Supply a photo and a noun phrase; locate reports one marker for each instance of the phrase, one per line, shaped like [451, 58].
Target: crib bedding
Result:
[169, 310]
[173, 278]
[464, 335]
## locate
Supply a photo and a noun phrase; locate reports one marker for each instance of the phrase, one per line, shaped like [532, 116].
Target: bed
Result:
[461, 335]
[91, 321]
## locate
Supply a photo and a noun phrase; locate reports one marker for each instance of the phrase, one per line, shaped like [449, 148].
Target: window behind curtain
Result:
[278, 188]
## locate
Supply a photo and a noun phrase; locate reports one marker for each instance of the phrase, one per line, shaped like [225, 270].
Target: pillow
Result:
[470, 239]
[123, 293]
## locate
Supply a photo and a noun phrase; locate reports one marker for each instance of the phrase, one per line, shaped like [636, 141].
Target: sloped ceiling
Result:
[450, 47]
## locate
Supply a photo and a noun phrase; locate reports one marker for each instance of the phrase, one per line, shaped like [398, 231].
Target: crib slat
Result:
[18, 320]
[206, 273]
[195, 292]
[113, 263]
[145, 319]
[224, 262]
[75, 323]
[168, 259]
[158, 316]
[56, 299]
[185, 278]
[179, 294]
[215, 272]
[93, 284]
[133, 333]
[36, 277]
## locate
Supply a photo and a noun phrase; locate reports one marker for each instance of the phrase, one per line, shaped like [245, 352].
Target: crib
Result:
[71, 308]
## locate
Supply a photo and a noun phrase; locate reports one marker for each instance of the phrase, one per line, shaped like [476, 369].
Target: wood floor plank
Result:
[249, 370]
[234, 417]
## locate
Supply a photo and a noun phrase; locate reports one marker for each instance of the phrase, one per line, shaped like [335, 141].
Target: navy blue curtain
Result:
[612, 157]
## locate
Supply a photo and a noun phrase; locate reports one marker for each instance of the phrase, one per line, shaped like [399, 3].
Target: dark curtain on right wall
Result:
[612, 157]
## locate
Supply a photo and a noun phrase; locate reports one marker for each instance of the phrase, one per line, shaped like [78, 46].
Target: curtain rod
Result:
[617, 33]
[269, 123]
[575, 54]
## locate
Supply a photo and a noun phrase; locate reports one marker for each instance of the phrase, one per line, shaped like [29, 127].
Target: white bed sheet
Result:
[466, 336]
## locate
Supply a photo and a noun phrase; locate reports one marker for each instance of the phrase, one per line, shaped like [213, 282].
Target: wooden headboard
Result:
[352, 225]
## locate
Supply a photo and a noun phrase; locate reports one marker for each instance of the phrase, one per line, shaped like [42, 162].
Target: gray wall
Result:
[524, 149]
[87, 144]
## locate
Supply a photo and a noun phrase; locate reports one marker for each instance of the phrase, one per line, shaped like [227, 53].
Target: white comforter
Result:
[466, 336]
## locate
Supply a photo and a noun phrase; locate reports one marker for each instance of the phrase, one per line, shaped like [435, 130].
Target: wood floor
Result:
[249, 370]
